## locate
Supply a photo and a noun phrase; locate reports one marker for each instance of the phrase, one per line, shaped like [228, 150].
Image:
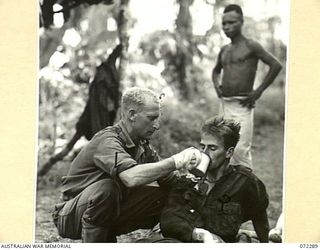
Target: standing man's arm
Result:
[216, 75]
[274, 69]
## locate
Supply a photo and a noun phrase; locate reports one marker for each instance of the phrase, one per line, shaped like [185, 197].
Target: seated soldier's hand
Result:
[188, 158]
[200, 234]
[275, 235]
[216, 238]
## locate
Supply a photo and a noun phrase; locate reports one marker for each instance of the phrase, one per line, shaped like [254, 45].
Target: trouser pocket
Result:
[55, 213]
[66, 221]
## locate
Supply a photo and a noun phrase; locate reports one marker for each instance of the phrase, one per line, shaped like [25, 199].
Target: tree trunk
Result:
[184, 47]
[122, 21]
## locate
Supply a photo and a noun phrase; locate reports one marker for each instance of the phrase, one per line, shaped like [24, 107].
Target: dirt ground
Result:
[268, 161]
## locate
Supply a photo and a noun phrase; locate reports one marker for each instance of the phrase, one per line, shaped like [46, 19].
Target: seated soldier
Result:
[212, 208]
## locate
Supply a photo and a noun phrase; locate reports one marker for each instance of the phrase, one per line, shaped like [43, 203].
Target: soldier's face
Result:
[147, 120]
[232, 24]
[213, 146]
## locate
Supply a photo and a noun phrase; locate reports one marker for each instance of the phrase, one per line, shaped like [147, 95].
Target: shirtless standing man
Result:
[239, 61]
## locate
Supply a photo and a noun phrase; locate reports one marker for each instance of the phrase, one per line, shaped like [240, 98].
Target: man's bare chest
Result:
[237, 55]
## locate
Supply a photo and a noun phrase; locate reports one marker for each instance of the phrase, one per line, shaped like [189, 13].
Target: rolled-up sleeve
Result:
[111, 154]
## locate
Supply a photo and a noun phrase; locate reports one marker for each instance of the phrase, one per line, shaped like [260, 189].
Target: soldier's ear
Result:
[132, 115]
[229, 152]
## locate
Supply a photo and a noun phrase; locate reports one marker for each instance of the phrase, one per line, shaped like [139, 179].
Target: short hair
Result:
[135, 97]
[227, 129]
[233, 7]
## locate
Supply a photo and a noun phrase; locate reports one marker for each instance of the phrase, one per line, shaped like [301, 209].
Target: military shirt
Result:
[110, 152]
[238, 196]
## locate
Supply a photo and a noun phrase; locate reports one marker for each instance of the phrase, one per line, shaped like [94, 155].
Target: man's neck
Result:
[236, 39]
[133, 136]
[216, 175]
[130, 132]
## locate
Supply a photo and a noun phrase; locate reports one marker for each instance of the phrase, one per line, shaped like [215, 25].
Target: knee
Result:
[103, 203]
[104, 191]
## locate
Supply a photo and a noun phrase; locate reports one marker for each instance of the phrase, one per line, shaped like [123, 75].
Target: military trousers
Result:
[100, 212]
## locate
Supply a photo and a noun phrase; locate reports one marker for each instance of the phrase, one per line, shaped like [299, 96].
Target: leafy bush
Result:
[270, 108]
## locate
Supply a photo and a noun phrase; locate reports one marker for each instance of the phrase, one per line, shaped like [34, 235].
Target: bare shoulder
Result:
[218, 64]
[254, 45]
[223, 48]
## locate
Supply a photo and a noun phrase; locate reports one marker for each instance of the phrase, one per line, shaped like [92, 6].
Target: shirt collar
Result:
[125, 135]
[226, 171]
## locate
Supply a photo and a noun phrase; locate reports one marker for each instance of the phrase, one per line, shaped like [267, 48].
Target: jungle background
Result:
[169, 46]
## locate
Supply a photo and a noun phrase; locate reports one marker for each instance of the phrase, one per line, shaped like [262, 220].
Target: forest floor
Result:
[268, 161]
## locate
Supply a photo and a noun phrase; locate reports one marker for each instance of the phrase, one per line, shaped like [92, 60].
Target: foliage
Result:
[181, 122]
[63, 93]
[95, 29]
[162, 49]
[64, 82]
[47, 12]
[270, 108]
[61, 104]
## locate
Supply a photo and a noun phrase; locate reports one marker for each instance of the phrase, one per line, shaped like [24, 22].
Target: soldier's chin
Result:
[213, 167]
[148, 135]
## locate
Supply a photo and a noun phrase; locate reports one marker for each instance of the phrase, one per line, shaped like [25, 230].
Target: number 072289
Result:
[312, 246]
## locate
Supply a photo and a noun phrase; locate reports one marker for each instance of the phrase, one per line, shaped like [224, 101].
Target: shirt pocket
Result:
[223, 219]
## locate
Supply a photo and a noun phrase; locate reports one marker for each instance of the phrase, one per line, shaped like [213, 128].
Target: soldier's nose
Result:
[156, 125]
[204, 150]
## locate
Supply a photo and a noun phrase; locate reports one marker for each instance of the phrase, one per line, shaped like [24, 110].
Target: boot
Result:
[94, 235]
